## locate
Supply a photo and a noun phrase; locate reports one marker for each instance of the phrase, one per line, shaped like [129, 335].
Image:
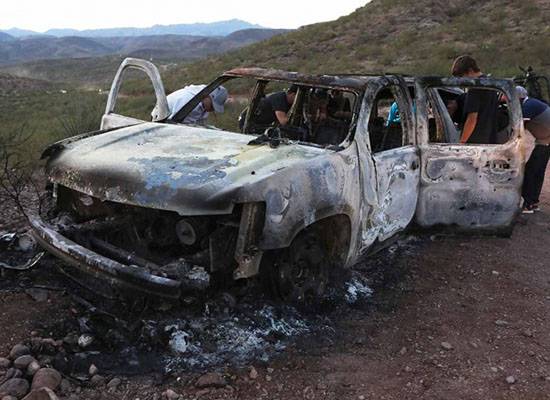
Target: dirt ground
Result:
[457, 318]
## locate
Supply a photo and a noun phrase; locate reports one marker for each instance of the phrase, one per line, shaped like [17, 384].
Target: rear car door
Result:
[473, 187]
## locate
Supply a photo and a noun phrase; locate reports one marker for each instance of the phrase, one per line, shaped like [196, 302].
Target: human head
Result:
[465, 66]
[521, 92]
[215, 100]
[321, 94]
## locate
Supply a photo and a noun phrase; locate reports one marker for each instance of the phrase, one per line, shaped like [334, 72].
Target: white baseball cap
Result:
[219, 97]
[521, 92]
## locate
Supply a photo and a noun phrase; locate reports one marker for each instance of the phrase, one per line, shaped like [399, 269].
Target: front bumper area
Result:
[121, 276]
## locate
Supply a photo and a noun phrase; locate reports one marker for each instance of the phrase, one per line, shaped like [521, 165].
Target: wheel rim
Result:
[302, 274]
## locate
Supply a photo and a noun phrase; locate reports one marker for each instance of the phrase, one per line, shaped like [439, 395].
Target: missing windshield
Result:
[306, 113]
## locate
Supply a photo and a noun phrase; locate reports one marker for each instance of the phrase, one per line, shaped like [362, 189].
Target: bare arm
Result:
[281, 117]
[469, 126]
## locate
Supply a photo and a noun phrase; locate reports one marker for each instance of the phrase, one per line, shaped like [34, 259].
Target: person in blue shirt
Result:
[536, 116]
[393, 117]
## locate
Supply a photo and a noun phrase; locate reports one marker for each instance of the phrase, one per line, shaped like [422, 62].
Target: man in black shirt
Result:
[480, 105]
[274, 108]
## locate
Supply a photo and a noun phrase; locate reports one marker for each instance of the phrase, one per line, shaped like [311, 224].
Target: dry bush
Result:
[17, 184]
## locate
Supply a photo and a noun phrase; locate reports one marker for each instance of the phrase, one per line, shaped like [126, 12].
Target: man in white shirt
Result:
[214, 102]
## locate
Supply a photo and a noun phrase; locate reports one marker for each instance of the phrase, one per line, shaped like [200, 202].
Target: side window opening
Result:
[386, 130]
[450, 115]
[241, 93]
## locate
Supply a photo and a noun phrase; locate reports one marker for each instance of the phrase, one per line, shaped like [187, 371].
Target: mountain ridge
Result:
[217, 28]
[152, 46]
[4, 37]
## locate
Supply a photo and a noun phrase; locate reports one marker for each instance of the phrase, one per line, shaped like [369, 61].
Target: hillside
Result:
[421, 36]
[154, 46]
[80, 72]
[10, 85]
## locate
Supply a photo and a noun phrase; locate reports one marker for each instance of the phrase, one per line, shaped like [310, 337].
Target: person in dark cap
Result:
[274, 108]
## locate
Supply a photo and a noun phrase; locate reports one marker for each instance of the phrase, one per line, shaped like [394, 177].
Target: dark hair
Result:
[320, 93]
[292, 89]
[463, 64]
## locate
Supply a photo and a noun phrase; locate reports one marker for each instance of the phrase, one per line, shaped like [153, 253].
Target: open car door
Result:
[472, 187]
[161, 111]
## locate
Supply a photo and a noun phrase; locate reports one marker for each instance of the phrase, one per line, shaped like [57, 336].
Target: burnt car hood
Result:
[187, 169]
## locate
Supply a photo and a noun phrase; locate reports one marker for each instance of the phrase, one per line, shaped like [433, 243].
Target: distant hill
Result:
[10, 84]
[82, 72]
[155, 46]
[4, 37]
[16, 32]
[418, 37]
[219, 28]
[48, 47]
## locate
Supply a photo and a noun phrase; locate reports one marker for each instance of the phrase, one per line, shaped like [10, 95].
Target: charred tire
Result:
[298, 274]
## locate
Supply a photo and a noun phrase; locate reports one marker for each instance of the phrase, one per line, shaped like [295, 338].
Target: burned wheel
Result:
[300, 274]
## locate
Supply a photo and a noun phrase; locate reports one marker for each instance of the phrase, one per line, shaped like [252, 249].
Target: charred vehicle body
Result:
[143, 206]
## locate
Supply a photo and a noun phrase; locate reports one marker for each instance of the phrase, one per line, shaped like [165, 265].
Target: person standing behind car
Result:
[214, 102]
[537, 121]
[480, 105]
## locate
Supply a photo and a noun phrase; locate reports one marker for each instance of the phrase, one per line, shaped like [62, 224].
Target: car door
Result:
[393, 166]
[113, 120]
[473, 187]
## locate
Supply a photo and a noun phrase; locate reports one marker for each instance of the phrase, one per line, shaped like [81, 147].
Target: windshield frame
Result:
[180, 116]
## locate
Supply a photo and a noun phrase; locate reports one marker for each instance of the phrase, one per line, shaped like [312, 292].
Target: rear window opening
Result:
[453, 109]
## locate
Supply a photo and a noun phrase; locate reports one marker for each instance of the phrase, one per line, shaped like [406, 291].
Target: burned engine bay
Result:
[157, 243]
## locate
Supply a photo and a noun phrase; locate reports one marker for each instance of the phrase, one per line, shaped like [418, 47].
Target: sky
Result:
[41, 15]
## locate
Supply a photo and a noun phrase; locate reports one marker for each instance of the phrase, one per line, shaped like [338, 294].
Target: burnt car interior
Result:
[320, 116]
[447, 115]
[385, 129]
[445, 120]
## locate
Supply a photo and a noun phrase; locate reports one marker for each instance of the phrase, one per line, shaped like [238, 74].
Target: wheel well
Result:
[334, 233]
[301, 272]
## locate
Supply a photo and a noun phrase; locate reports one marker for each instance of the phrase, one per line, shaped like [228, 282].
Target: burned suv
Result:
[146, 206]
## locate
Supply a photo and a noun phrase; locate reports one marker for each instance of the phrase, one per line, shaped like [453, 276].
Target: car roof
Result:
[337, 81]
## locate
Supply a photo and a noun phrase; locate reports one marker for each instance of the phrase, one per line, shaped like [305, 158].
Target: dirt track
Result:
[486, 299]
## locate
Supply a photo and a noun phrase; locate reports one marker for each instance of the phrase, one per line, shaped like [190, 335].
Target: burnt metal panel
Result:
[160, 111]
[472, 187]
[390, 178]
[125, 276]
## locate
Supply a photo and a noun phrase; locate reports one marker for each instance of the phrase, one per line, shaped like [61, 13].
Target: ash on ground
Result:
[203, 332]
